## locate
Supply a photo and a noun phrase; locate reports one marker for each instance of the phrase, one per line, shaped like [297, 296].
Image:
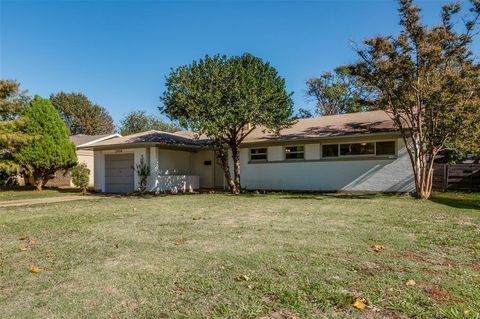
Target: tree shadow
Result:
[458, 200]
[67, 190]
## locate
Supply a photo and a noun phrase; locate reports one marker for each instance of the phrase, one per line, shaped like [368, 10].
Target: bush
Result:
[143, 171]
[81, 176]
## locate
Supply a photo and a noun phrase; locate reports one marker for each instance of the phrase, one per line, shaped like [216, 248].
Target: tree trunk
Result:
[236, 166]
[38, 184]
[222, 157]
[422, 169]
[423, 178]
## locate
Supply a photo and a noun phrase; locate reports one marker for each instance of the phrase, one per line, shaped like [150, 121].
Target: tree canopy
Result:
[81, 115]
[225, 98]
[338, 92]
[12, 122]
[428, 81]
[140, 121]
[52, 149]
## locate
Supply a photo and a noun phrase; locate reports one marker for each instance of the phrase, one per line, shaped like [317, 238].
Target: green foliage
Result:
[12, 103]
[338, 92]
[143, 171]
[80, 176]
[303, 114]
[81, 115]
[428, 80]
[52, 150]
[225, 99]
[140, 121]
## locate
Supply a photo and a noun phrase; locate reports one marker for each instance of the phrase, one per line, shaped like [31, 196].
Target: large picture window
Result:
[330, 150]
[258, 154]
[294, 152]
[357, 149]
[386, 148]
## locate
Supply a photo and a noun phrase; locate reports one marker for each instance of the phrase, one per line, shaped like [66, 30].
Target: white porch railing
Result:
[176, 183]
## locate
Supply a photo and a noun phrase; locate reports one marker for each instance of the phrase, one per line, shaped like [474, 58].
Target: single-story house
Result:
[84, 155]
[350, 152]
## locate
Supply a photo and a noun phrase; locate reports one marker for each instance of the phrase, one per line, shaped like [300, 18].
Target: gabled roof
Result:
[153, 137]
[352, 124]
[331, 126]
[84, 140]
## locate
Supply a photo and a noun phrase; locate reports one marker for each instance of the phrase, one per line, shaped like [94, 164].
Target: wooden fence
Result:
[461, 177]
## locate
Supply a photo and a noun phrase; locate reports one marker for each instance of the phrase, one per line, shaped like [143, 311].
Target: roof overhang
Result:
[323, 139]
[99, 140]
[180, 147]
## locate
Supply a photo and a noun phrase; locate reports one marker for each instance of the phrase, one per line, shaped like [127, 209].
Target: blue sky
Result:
[119, 52]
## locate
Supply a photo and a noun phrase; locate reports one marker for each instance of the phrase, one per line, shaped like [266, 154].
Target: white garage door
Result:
[119, 174]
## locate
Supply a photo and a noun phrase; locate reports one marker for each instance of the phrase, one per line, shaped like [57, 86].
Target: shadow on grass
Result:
[458, 200]
[320, 195]
[45, 188]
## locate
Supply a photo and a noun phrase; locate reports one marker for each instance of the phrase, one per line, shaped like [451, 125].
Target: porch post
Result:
[154, 167]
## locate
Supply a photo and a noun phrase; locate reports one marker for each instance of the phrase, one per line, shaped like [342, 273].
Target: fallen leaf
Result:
[34, 269]
[250, 286]
[411, 282]
[377, 248]
[22, 248]
[242, 278]
[22, 237]
[359, 304]
[178, 242]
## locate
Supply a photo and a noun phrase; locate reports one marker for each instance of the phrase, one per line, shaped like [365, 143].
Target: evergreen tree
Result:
[52, 149]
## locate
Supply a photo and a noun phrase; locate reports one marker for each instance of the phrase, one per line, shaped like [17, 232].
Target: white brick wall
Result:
[353, 174]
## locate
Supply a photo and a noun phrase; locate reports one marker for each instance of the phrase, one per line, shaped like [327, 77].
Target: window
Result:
[294, 152]
[357, 149]
[258, 154]
[330, 150]
[386, 148]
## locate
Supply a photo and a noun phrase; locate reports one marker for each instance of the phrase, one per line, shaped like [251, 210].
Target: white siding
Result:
[86, 156]
[172, 162]
[204, 172]
[374, 174]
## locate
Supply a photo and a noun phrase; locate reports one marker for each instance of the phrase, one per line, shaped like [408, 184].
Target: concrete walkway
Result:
[46, 200]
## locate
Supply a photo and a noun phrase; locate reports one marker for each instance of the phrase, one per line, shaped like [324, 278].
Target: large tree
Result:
[52, 149]
[140, 121]
[338, 92]
[12, 136]
[428, 81]
[225, 99]
[81, 115]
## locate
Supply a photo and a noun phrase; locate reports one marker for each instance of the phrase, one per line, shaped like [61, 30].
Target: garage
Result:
[119, 173]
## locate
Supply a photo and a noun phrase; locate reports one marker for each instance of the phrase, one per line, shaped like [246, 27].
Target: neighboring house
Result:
[350, 152]
[84, 155]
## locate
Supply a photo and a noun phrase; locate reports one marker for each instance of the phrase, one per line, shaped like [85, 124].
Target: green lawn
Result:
[19, 193]
[187, 256]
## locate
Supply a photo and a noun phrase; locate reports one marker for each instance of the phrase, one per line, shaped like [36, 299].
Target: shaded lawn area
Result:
[19, 193]
[188, 256]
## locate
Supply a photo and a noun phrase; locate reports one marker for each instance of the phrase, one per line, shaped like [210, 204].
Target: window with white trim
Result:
[364, 148]
[259, 154]
[294, 152]
[383, 148]
[330, 150]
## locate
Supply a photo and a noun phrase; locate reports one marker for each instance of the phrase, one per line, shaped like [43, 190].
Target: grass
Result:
[188, 256]
[20, 193]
